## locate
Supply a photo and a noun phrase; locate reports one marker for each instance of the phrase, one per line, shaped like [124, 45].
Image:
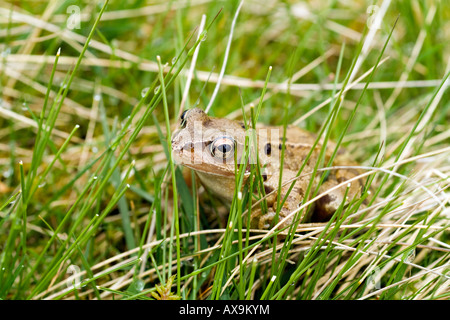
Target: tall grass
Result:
[93, 207]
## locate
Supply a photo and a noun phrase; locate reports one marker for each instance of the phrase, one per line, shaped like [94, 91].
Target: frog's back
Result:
[294, 135]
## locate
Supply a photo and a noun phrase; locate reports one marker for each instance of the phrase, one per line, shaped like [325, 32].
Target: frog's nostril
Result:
[175, 135]
[188, 146]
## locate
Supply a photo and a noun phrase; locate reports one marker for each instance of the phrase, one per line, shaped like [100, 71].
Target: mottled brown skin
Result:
[216, 174]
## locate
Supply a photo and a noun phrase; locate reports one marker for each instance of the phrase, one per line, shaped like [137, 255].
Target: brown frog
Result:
[211, 146]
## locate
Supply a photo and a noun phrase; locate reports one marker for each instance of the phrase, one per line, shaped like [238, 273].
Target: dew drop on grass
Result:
[144, 92]
[42, 184]
[113, 100]
[123, 124]
[409, 256]
[174, 60]
[204, 36]
[97, 97]
[7, 173]
[5, 53]
[157, 89]
[139, 284]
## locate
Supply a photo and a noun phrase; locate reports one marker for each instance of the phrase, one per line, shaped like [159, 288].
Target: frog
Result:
[215, 147]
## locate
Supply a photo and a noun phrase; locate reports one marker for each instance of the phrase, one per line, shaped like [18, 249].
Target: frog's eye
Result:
[222, 147]
[183, 118]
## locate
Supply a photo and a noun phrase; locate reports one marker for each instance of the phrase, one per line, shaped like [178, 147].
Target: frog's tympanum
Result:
[211, 146]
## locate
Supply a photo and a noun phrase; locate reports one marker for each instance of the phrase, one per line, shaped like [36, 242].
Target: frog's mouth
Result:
[210, 170]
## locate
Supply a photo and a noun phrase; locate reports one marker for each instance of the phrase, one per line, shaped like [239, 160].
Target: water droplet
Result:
[204, 36]
[409, 256]
[139, 284]
[123, 124]
[6, 52]
[94, 149]
[7, 173]
[97, 97]
[144, 92]
[157, 89]
[41, 185]
[113, 100]
[174, 60]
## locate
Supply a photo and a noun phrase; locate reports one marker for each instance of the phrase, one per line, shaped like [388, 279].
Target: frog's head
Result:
[210, 146]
